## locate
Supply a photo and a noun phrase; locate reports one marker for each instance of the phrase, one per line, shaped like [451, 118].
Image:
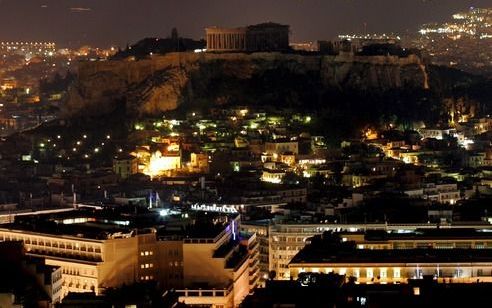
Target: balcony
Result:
[237, 259]
[205, 292]
[226, 249]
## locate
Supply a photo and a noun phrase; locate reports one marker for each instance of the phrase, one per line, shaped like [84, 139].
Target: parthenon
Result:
[226, 39]
[262, 37]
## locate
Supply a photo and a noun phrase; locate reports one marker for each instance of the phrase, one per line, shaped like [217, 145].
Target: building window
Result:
[383, 273]
[458, 273]
[369, 273]
[146, 253]
[396, 273]
[356, 272]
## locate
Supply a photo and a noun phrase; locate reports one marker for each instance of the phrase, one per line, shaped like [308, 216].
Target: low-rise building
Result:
[281, 146]
[125, 165]
[326, 253]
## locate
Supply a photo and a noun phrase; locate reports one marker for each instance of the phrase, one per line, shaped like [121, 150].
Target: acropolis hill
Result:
[161, 83]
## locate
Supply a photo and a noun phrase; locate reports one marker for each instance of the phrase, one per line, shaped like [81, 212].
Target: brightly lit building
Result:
[203, 256]
[272, 176]
[280, 242]
[158, 159]
[161, 162]
[450, 263]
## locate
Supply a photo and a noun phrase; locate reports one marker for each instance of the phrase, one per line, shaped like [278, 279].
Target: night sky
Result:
[106, 22]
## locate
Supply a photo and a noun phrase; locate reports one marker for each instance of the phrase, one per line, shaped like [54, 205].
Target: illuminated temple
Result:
[262, 37]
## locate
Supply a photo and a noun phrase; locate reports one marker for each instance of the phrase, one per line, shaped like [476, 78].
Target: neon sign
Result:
[229, 209]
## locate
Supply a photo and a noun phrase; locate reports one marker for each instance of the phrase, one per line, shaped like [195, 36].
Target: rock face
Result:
[161, 83]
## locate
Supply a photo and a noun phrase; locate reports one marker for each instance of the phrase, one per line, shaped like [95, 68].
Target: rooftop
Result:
[326, 249]
[426, 234]
[121, 221]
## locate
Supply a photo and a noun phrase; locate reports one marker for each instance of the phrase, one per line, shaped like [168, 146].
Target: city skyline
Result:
[79, 22]
[224, 154]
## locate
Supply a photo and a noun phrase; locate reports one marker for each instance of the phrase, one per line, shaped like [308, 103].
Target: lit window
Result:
[369, 273]
[356, 273]
[343, 271]
[396, 273]
[383, 273]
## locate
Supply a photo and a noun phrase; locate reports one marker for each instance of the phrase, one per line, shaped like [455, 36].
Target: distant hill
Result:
[346, 91]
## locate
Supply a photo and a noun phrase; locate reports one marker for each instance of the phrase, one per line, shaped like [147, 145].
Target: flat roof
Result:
[107, 223]
[327, 248]
[395, 256]
[429, 234]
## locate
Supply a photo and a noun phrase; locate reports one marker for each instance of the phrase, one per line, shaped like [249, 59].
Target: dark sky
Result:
[105, 22]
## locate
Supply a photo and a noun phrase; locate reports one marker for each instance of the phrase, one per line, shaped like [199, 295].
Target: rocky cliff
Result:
[154, 85]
